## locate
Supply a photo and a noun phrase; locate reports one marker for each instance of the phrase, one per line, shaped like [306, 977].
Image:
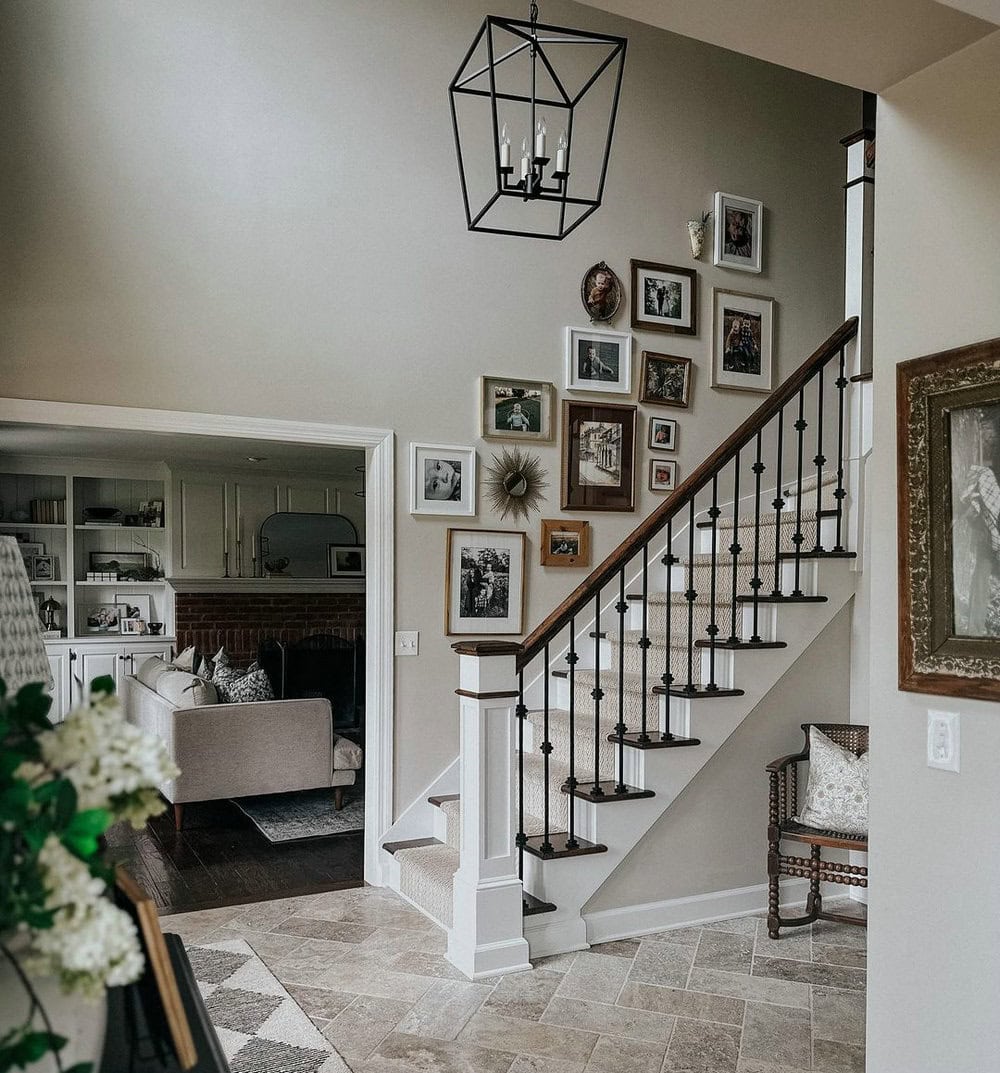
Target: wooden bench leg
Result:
[338, 797]
[178, 816]
[814, 902]
[773, 917]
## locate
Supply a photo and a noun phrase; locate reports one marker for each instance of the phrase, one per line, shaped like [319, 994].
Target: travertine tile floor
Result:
[723, 998]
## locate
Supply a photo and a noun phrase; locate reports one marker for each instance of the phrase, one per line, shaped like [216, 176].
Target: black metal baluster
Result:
[669, 561]
[644, 641]
[778, 504]
[571, 783]
[621, 607]
[522, 714]
[546, 750]
[598, 694]
[757, 583]
[800, 426]
[820, 459]
[734, 548]
[839, 494]
[690, 595]
[713, 627]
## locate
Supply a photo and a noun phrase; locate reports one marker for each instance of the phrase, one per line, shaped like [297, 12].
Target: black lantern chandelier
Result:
[524, 79]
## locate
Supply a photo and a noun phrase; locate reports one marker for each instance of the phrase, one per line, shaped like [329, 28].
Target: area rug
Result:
[260, 1027]
[305, 814]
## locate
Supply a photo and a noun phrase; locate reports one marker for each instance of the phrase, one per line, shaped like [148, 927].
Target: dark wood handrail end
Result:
[487, 648]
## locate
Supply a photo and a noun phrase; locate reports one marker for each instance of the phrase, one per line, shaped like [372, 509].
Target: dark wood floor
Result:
[220, 858]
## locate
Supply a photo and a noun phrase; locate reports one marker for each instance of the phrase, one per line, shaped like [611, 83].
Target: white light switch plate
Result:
[407, 642]
[943, 740]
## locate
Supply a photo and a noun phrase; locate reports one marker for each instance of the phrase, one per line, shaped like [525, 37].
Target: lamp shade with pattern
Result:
[22, 651]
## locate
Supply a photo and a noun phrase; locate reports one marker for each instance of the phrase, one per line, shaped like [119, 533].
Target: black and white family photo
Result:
[661, 297]
[561, 543]
[600, 453]
[738, 236]
[741, 351]
[597, 360]
[485, 583]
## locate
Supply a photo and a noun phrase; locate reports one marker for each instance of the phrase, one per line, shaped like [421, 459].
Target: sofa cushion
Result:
[837, 792]
[187, 660]
[347, 756]
[239, 687]
[185, 690]
[150, 671]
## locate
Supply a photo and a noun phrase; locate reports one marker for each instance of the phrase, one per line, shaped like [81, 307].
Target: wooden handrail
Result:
[685, 491]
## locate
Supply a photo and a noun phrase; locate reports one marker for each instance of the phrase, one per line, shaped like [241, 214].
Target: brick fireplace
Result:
[240, 621]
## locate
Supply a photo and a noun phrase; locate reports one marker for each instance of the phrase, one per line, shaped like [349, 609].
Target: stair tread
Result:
[425, 877]
[410, 843]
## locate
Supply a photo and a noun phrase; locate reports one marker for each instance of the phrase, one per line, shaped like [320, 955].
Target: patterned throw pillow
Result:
[837, 792]
[240, 687]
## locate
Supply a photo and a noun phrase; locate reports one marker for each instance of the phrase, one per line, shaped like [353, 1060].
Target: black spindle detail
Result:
[778, 504]
[690, 595]
[734, 548]
[521, 712]
[621, 607]
[800, 427]
[571, 782]
[713, 626]
[669, 561]
[546, 750]
[839, 494]
[819, 461]
[644, 641]
[598, 694]
[757, 582]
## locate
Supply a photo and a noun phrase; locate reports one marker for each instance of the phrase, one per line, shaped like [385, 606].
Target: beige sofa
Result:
[241, 750]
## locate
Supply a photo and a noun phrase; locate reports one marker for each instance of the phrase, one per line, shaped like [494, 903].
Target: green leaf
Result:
[92, 821]
[104, 684]
[14, 801]
[32, 704]
[35, 1044]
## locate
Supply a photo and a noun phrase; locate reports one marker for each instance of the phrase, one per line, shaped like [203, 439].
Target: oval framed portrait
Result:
[601, 292]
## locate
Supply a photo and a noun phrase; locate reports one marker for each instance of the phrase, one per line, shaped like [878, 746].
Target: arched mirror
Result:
[297, 545]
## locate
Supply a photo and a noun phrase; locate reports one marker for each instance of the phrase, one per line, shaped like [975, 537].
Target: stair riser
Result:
[656, 622]
[744, 533]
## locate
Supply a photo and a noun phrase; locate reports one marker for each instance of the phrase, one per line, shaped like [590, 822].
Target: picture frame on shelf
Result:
[662, 475]
[665, 380]
[43, 568]
[662, 434]
[739, 232]
[515, 409]
[484, 582]
[664, 298]
[138, 605]
[117, 562]
[346, 560]
[132, 626]
[565, 542]
[599, 360]
[104, 618]
[598, 456]
[29, 549]
[742, 341]
[442, 479]
[948, 456]
[601, 292]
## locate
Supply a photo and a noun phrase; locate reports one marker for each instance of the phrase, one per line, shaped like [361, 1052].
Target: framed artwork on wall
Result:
[512, 409]
[598, 360]
[665, 380]
[664, 298]
[738, 232]
[662, 434]
[662, 475]
[484, 582]
[598, 456]
[948, 444]
[742, 341]
[442, 479]
[565, 542]
[601, 292]
[346, 560]
[138, 606]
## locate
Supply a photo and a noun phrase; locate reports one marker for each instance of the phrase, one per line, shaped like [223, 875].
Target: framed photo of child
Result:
[742, 341]
[512, 409]
[598, 360]
[662, 475]
[442, 479]
[738, 232]
[565, 542]
[484, 582]
[662, 434]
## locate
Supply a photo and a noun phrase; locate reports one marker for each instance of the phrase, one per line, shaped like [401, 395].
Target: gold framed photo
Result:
[565, 542]
[513, 409]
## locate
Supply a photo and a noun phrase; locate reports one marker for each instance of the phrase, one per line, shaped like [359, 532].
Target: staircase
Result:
[626, 691]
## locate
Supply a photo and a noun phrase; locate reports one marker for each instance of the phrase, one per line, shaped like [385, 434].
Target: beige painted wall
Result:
[714, 836]
[934, 974]
[254, 208]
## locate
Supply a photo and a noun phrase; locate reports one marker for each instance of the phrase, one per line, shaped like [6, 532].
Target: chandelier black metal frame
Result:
[543, 43]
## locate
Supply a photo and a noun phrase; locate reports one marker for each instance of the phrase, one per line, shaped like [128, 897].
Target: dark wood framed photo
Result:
[565, 542]
[665, 380]
[662, 475]
[484, 582]
[664, 298]
[598, 464]
[601, 292]
[948, 444]
[662, 434]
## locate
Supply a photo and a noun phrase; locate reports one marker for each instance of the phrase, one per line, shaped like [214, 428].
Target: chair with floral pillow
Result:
[834, 815]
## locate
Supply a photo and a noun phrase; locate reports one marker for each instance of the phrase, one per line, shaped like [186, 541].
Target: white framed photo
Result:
[742, 341]
[662, 475]
[442, 479]
[346, 560]
[138, 605]
[484, 582]
[739, 233]
[662, 434]
[598, 361]
[134, 626]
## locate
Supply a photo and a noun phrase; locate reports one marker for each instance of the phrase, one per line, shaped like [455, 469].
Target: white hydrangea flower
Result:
[92, 944]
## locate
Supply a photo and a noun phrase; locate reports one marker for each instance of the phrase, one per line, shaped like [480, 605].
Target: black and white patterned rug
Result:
[260, 1027]
[304, 814]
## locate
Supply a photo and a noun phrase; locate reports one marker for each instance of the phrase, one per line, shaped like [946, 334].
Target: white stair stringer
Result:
[570, 882]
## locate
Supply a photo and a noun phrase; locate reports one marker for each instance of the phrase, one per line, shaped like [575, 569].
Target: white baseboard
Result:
[604, 925]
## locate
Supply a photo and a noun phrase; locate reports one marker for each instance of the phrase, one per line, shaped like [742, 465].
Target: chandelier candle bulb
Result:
[525, 159]
[561, 153]
[540, 138]
[504, 148]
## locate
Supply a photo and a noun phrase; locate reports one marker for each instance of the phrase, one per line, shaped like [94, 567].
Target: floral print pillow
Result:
[837, 792]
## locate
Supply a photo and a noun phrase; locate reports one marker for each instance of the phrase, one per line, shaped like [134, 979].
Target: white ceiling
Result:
[177, 450]
[869, 44]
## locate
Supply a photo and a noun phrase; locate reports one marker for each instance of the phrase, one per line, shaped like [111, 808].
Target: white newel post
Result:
[487, 933]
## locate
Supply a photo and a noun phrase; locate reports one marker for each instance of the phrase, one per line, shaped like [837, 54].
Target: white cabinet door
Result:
[94, 663]
[59, 665]
[200, 513]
